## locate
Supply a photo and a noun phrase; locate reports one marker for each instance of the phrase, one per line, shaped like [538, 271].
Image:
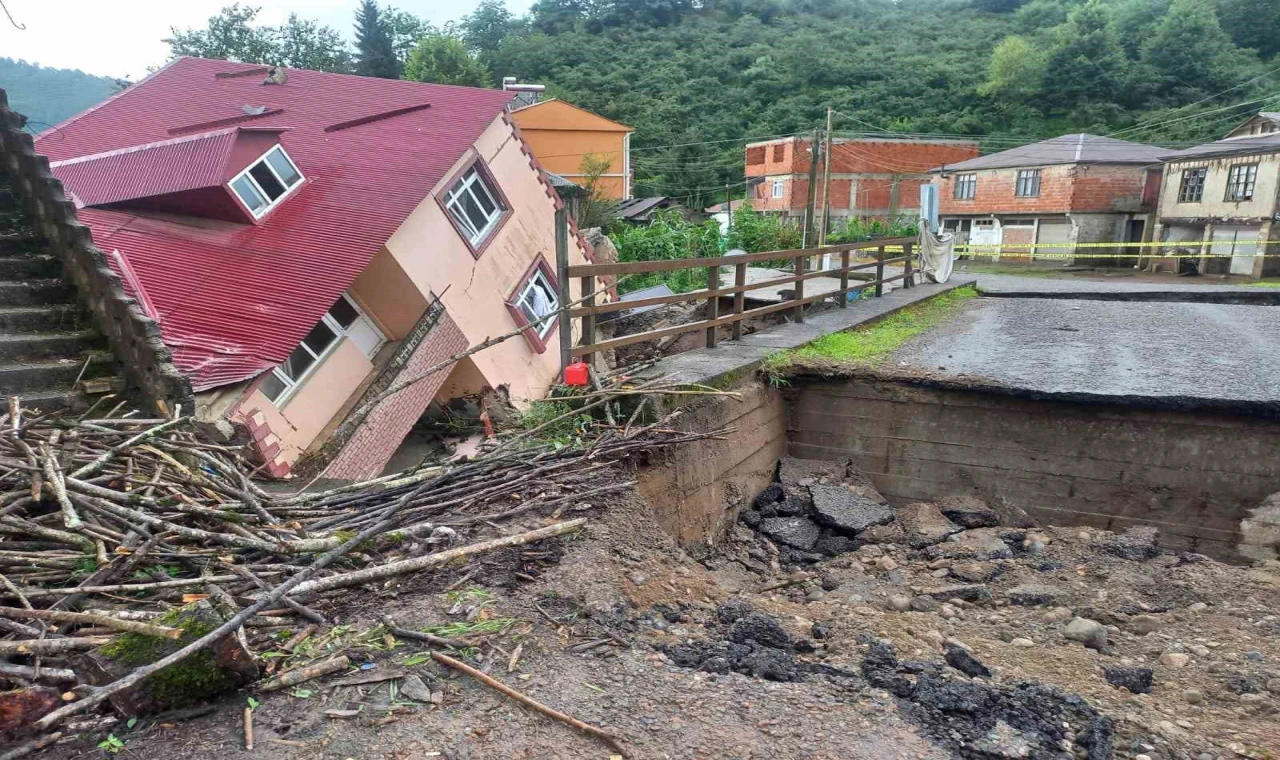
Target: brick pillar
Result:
[382, 432]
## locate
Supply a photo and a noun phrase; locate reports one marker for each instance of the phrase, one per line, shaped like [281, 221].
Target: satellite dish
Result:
[276, 75]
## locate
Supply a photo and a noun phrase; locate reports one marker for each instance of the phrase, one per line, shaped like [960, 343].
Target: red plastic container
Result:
[576, 374]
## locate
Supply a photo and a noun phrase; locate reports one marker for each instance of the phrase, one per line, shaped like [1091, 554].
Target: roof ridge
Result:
[162, 144]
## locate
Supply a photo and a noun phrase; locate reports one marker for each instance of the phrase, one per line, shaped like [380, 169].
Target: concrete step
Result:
[52, 318]
[49, 401]
[21, 243]
[35, 292]
[29, 266]
[55, 374]
[46, 346]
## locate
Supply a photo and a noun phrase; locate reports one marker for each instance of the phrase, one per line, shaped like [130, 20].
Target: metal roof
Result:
[1065, 149]
[1238, 146]
[234, 299]
[636, 207]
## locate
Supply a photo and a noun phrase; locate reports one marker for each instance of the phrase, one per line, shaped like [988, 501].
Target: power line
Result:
[1209, 97]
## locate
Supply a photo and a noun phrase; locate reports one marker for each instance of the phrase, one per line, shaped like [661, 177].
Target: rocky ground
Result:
[828, 626]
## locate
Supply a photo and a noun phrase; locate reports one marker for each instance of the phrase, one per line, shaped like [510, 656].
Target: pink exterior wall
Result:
[301, 418]
[381, 433]
[434, 257]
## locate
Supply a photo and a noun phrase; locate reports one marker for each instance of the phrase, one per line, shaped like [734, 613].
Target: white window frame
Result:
[543, 329]
[468, 180]
[777, 189]
[291, 385]
[1244, 179]
[1027, 180]
[288, 189]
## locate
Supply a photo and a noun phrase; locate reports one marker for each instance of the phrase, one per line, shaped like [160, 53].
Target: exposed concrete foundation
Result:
[1194, 474]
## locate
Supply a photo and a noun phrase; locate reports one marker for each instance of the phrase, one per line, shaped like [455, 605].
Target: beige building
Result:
[1219, 200]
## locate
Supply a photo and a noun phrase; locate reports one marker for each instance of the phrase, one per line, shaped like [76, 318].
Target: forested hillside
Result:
[1165, 71]
[47, 96]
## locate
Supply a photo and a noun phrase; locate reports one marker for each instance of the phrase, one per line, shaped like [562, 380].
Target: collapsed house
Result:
[304, 240]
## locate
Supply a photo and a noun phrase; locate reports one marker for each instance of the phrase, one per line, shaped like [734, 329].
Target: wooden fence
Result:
[900, 250]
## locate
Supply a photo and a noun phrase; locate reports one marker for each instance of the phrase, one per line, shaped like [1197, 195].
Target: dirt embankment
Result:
[931, 631]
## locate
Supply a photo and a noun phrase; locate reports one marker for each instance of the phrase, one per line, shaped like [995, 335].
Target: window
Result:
[966, 187]
[1240, 180]
[317, 344]
[1192, 188]
[472, 203]
[536, 300]
[1028, 185]
[780, 152]
[266, 181]
[777, 188]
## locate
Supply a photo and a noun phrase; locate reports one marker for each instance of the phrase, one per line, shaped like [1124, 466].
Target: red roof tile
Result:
[234, 299]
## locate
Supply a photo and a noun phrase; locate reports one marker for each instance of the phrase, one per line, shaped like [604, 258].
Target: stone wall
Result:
[134, 337]
[1194, 475]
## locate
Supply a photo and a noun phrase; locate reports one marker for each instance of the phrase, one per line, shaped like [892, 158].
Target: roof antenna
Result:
[276, 75]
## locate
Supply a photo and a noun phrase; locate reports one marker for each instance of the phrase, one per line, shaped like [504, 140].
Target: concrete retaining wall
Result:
[697, 489]
[1192, 474]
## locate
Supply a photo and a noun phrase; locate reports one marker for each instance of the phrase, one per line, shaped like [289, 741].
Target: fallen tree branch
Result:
[304, 674]
[430, 638]
[530, 702]
[58, 616]
[391, 569]
[52, 646]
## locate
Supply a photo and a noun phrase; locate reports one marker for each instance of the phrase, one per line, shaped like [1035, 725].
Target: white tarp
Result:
[937, 252]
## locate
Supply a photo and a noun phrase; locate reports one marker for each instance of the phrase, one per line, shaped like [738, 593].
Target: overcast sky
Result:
[121, 38]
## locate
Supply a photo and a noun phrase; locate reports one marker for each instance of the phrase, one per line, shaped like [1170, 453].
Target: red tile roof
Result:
[234, 299]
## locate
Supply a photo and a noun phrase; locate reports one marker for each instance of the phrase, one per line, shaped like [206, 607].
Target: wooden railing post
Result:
[879, 271]
[713, 302]
[906, 265]
[797, 314]
[588, 320]
[844, 279]
[739, 298]
[562, 280]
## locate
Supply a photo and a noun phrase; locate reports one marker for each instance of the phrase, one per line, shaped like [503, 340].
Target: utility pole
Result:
[728, 208]
[815, 154]
[826, 188]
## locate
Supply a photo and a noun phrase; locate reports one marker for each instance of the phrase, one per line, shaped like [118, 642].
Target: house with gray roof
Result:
[1040, 202]
[1219, 200]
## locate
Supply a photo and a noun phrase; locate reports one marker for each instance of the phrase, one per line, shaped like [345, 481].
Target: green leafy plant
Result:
[111, 744]
[667, 237]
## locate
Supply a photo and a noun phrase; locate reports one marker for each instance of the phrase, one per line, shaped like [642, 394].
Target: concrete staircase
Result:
[50, 354]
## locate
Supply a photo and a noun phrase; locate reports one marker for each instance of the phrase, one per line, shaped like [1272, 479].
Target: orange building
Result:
[562, 135]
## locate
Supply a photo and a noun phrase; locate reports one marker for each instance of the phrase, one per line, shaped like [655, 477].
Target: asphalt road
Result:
[1008, 283]
[1205, 351]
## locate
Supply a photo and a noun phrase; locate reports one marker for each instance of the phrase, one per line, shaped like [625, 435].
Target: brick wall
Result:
[873, 166]
[382, 432]
[1063, 188]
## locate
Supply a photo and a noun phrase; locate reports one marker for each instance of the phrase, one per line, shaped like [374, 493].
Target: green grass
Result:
[867, 346]
[1264, 284]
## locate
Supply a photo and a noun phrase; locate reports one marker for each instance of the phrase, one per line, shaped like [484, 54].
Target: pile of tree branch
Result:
[109, 525]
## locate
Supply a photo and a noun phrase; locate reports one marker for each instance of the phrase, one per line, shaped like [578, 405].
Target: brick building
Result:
[1054, 194]
[876, 177]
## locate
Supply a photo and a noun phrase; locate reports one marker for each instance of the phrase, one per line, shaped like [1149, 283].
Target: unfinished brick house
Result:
[871, 178]
[305, 239]
[1054, 194]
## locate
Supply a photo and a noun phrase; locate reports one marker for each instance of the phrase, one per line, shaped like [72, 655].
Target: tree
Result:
[443, 59]
[229, 36]
[1087, 65]
[1188, 55]
[1252, 24]
[1015, 72]
[375, 50]
[406, 29]
[308, 45]
[487, 26]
